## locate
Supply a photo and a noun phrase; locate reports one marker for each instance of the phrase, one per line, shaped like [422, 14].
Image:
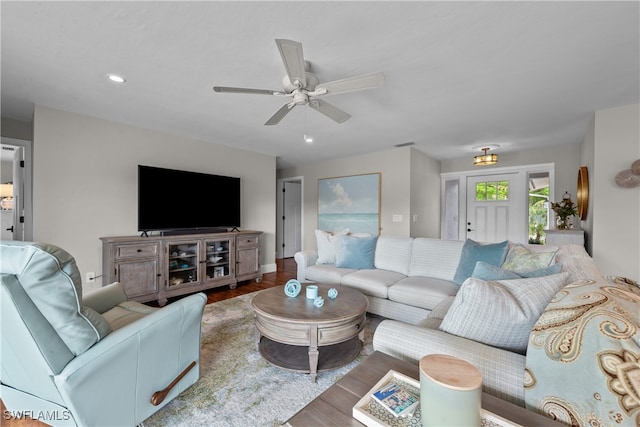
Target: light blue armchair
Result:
[97, 361]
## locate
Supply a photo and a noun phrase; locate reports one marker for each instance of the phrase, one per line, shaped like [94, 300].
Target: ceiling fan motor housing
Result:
[289, 87]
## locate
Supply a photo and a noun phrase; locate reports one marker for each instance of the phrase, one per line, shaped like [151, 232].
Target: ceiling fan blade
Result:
[247, 90]
[279, 115]
[291, 53]
[329, 110]
[367, 81]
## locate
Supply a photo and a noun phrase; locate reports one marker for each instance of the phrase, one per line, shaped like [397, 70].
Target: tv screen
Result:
[171, 199]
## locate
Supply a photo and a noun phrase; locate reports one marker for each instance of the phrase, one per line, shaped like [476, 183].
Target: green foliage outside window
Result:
[492, 190]
[538, 214]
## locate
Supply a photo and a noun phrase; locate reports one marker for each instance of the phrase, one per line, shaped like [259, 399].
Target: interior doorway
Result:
[16, 218]
[289, 214]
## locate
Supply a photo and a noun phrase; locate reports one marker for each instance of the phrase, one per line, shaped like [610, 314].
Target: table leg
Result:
[313, 352]
[258, 336]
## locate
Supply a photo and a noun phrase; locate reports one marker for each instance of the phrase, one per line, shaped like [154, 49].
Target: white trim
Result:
[462, 176]
[279, 187]
[28, 182]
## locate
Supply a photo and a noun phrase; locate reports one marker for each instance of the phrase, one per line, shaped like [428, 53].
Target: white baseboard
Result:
[268, 268]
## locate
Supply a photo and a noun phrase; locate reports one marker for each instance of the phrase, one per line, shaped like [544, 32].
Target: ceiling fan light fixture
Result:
[485, 159]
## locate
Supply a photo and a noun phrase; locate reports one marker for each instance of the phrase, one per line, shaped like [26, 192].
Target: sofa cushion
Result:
[372, 282]
[473, 251]
[423, 292]
[393, 253]
[501, 313]
[435, 257]
[521, 259]
[328, 246]
[356, 252]
[326, 273]
[486, 271]
[127, 312]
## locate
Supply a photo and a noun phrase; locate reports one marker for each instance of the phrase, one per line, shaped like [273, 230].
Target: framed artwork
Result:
[351, 202]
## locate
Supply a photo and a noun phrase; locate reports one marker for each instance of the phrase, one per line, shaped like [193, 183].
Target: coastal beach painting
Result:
[351, 202]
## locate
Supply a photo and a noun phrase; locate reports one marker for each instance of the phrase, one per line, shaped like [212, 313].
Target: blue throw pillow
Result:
[472, 252]
[490, 272]
[356, 252]
[546, 271]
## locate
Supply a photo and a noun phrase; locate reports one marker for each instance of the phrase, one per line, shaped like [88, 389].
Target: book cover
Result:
[397, 399]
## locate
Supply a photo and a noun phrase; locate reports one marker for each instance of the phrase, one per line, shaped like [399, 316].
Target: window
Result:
[538, 206]
[492, 190]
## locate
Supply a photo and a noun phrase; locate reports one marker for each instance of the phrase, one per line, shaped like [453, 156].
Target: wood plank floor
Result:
[286, 269]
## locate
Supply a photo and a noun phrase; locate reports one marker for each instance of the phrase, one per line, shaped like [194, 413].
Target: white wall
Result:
[616, 211]
[587, 157]
[395, 166]
[566, 158]
[85, 181]
[425, 195]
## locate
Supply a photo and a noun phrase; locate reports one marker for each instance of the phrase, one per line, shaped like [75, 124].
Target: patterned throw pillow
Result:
[521, 259]
[501, 313]
[327, 243]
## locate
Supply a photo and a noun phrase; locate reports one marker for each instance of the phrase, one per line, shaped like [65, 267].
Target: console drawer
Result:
[138, 250]
[247, 241]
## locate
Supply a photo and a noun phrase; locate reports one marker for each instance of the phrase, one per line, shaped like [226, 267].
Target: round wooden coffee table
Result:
[294, 334]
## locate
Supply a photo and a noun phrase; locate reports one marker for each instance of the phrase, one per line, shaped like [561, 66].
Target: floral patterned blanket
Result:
[583, 357]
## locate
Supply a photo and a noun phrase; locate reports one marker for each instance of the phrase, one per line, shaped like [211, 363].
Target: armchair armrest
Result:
[113, 382]
[105, 298]
[303, 260]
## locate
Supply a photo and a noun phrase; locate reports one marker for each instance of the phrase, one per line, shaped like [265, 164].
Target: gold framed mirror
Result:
[583, 192]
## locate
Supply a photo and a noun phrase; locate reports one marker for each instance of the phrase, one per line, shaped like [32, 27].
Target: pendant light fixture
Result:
[485, 159]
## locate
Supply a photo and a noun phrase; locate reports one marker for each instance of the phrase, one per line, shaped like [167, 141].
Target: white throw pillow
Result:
[328, 245]
[501, 313]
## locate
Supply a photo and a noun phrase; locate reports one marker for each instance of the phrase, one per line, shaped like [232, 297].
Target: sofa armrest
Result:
[112, 382]
[303, 260]
[105, 298]
[502, 371]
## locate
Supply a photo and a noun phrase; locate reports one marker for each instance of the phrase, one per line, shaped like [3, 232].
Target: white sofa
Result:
[571, 332]
[411, 275]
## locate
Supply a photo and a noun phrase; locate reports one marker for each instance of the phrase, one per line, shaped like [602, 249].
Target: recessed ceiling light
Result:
[116, 78]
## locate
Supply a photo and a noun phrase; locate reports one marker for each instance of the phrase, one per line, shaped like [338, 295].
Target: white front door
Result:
[495, 211]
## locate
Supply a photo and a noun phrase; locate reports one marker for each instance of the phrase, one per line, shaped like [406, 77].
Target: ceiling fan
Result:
[304, 87]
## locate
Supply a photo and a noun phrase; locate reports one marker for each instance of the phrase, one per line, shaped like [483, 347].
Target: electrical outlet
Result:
[91, 277]
[396, 218]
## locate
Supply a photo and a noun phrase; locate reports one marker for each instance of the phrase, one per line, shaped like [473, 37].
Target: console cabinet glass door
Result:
[218, 259]
[184, 264]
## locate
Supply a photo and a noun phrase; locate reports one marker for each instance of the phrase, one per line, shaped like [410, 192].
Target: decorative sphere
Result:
[292, 288]
[318, 302]
[333, 293]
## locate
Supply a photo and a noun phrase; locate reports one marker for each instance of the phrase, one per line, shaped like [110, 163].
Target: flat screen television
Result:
[170, 199]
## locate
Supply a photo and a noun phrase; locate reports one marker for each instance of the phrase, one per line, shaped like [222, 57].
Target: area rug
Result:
[237, 387]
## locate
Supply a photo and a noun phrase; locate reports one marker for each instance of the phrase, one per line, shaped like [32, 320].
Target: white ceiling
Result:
[458, 74]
